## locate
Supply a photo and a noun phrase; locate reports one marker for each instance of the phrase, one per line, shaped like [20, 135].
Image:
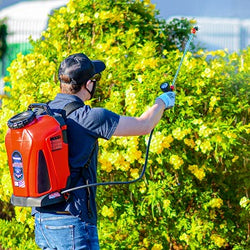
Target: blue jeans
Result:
[64, 232]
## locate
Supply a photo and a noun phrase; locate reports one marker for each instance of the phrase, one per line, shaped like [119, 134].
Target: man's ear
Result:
[88, 84]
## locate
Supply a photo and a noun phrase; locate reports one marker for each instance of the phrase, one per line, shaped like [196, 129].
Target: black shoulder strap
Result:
[68, 109]
[71, 107]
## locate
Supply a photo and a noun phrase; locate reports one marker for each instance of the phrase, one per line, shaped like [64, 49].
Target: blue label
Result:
[17, 164]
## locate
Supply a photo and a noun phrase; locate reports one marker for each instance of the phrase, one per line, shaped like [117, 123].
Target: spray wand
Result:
[165, 86]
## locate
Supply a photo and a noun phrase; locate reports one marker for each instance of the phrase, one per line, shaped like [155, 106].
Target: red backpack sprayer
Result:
[37, 152]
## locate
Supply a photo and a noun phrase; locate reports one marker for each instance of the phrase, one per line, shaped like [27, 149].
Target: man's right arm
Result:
[135, 126]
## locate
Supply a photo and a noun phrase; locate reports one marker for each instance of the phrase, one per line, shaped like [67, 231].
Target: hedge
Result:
[195, 193]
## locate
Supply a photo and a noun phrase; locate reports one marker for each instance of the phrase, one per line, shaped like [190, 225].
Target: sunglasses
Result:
[96, 77]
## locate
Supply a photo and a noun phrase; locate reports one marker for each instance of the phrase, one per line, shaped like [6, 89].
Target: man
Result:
[72, 224]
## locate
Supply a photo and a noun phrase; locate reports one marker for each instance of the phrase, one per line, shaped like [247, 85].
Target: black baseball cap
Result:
[79, 68]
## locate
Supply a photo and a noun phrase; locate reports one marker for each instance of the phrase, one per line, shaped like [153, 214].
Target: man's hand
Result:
[168, 98]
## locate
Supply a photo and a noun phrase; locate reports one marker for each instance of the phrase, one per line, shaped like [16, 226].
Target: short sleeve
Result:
[100, 122]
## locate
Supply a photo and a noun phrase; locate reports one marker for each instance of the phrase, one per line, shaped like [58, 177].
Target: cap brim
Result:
[99, 66]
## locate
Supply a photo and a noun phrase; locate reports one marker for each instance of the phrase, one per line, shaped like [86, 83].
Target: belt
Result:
[63, 212]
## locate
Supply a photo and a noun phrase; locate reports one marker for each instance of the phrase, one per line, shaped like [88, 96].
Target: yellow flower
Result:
[157, 247]
[73, 23]
[58, 45]
[184, 237]
[198, 172]
[103, 143]
[208, 73]
[197, 121]
[159, 160]
[105, 162]
[205, 146]
[71, 7]
[130, 101]
[62, 10]
[212, 214]
[83, 18]
[21, 214]
[218, 138]
[179, 134]
[159, 142]
[143, 187]
[146, 242]
[147, 2]
[134, 173]
[213, 100]
[192, 21]
[230, 134]
[176, 161]
[166, 204]
[216, 203]
[107, 212]
[217, 111]
[222, 53]
[168, 139]
[190, 101]
[236, 157]
[189, 142]
[107, 167]
[123, 165]
[205, 131]
[244, 201]
[220, 242]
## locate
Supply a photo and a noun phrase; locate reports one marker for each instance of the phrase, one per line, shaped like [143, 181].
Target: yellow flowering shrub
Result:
[194, 194]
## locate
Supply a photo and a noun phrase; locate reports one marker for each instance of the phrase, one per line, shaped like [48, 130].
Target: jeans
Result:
[64, 232]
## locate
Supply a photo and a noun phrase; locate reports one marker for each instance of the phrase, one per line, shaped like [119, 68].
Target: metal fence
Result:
[19, 31]
[223, 33]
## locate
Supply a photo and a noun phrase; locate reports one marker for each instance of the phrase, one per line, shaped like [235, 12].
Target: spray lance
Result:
[165, 87]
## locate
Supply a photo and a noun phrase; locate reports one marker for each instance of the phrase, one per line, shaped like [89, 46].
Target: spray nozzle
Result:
[194, 29]
[165, 87]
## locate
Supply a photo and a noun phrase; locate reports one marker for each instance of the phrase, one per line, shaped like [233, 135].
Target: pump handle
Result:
[43, 106]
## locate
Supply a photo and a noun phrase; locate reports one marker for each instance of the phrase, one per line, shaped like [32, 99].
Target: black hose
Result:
[117, 182]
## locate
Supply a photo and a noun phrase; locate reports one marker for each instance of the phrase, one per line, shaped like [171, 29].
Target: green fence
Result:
[12, 51]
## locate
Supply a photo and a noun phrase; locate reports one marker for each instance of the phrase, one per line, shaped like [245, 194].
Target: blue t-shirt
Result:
[85, 126]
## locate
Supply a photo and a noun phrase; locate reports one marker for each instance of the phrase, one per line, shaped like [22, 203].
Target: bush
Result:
[15, 235]
[195, 192]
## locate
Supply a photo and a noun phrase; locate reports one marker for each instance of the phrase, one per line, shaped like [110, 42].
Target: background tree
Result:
[3, 38]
